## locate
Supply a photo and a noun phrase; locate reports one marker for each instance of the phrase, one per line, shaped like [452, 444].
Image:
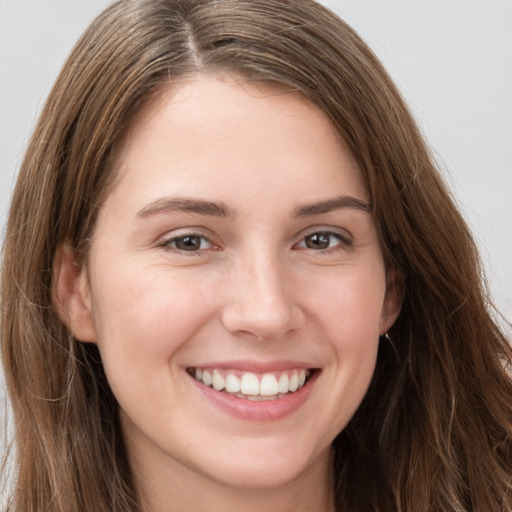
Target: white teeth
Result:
[294, 382]
[232, 383]
[267, 386]
[217, 381]
[302, 378]
[250, 385]
[207, 378]
[284, 384]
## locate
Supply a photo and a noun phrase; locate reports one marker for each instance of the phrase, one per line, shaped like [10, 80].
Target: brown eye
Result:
[188, 243]
[318, 241]
[324, 240]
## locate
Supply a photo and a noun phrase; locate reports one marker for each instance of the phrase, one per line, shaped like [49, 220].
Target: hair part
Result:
[435, 429]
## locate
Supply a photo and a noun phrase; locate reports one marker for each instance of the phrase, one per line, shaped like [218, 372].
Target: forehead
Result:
[222, 135]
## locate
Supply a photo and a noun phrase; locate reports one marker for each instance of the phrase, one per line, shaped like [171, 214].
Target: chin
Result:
[267, 463]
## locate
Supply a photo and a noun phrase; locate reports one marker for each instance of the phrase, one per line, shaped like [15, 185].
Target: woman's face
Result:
[236, 249]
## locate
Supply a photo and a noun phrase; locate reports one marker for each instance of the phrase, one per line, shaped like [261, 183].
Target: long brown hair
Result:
[435, 429]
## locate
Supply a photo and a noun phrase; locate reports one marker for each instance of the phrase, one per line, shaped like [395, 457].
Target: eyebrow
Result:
[182, 204]
[219, 209]
[330, 205]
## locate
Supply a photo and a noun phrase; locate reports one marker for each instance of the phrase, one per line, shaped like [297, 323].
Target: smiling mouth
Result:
[252, 386]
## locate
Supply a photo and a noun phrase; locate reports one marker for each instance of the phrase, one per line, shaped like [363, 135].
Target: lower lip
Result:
[264, 410]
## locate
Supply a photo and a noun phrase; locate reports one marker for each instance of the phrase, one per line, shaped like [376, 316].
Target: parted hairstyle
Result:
[434, 432]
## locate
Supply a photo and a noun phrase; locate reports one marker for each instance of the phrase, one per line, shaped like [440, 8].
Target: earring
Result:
[388, 338]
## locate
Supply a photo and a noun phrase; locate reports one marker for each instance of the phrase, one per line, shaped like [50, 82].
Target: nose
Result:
[260, 300]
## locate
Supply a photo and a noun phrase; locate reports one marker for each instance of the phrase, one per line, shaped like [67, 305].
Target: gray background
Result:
[451, 58]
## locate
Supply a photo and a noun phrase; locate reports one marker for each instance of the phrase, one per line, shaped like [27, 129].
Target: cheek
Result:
[142, 318]
[349, 303]
[350, 317]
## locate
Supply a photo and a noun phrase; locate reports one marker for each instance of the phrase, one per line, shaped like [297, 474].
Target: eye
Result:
[324, 240]
[188, 243]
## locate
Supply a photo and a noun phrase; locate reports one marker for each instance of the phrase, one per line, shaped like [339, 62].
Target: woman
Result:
[234, 280]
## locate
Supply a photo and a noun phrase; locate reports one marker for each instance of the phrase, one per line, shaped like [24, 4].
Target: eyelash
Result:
[167, 244]
[344, 242]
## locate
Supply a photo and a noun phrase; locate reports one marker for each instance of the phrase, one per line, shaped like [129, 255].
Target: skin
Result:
[255, 290]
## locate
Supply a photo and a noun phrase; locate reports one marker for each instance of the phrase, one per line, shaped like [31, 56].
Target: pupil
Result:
[317, 241]
[188, 243]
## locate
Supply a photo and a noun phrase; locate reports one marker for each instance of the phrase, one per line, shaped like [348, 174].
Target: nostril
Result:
[260, 324]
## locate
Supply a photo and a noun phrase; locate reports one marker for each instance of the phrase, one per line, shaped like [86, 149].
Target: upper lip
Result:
[257, 366]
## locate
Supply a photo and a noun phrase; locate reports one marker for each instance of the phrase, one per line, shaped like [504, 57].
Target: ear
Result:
[71, 294]
[392, 301]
